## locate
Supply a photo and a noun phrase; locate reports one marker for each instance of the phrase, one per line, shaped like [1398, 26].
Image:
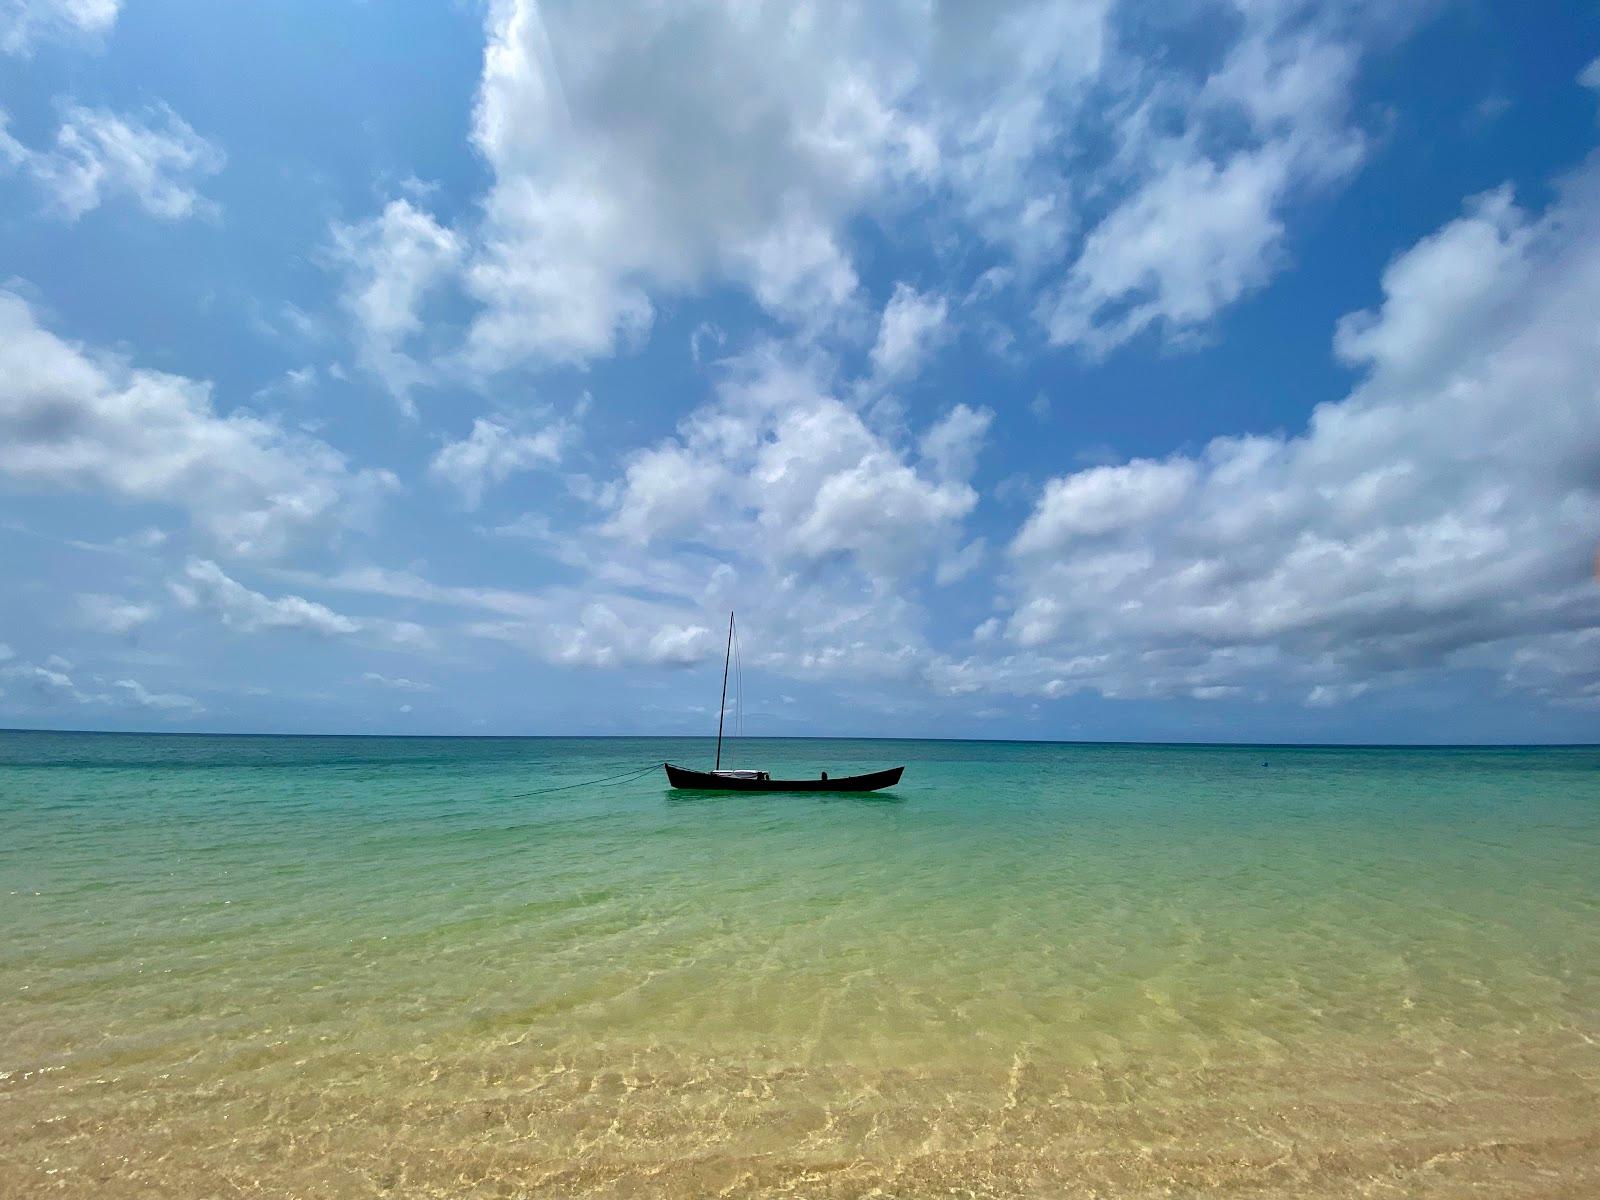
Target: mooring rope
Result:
[566, 787]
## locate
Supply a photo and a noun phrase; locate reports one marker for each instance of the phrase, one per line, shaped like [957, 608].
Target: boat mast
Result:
[723, 707]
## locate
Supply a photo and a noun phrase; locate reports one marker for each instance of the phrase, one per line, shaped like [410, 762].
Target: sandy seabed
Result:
[1515, 1120]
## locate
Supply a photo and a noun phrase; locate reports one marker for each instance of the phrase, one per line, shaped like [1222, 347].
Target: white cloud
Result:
[52, 685]
[71, 417]
[205, 585]
[48, 685]
[1192, 241]
[640, 152]
[1440, 518]
[560, 625]
[664, 490]
[778, 470]
[1018, 79]
[493, 451]
[406, 585]
[391, 265]
[399, 684]
[1444, 293]
[603, 637]
[775, 497]
[1200, 227]
[1561, 668]
[112, 614]
[1589, 77]
[951, 445]
[25, 22]
[706, 334]
[296, 381]
[627, 168]
[625, 163]
[912, 325]
[138, 694]
[1103, 500]
[153, 158]
[879, 510]
[1328, 695]
[957, 565]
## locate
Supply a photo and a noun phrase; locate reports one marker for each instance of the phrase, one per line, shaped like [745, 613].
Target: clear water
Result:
[329, 966]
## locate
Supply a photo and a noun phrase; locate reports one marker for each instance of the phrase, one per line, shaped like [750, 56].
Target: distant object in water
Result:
[718, 780]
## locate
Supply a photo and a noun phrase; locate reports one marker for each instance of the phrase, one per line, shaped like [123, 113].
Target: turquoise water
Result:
[366, 966]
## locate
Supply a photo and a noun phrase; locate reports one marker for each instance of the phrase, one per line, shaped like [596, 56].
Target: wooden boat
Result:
[718, 780]
[760, 781]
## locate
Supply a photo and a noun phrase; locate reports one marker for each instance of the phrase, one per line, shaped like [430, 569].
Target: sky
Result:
[1224, 370]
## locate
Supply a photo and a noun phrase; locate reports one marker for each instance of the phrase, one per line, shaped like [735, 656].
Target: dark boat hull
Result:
[705, 781]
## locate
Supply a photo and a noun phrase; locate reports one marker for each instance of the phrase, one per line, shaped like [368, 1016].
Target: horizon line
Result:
[507, 737]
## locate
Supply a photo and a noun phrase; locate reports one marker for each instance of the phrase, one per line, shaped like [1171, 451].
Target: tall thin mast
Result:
[723, 707]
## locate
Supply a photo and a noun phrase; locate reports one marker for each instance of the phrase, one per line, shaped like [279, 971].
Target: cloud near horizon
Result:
[1443, 515]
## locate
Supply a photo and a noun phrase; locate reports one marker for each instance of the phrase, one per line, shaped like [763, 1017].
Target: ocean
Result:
[329, 967]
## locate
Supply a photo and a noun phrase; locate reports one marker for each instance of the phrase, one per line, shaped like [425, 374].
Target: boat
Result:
[718, 780]
[759, 781]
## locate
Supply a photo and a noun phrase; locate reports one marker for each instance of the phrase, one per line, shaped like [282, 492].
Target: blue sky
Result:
[1217, 370]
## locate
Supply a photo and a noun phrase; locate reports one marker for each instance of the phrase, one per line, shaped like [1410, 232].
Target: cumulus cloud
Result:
[627, 167]
[1441, 517]
[779, 470]
[1102, 500]
[153, 158]
[607, 635]
[625, 164]
[391, 264]
[73, 418]
[779, 498]
[958, 564]
[23, 23]
[911, 326]
[640, 152]
[951, 445]
[1203, 222]
[113, 614]
[495, 449]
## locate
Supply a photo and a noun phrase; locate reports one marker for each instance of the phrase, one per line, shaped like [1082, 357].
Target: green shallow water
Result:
[366, 966]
